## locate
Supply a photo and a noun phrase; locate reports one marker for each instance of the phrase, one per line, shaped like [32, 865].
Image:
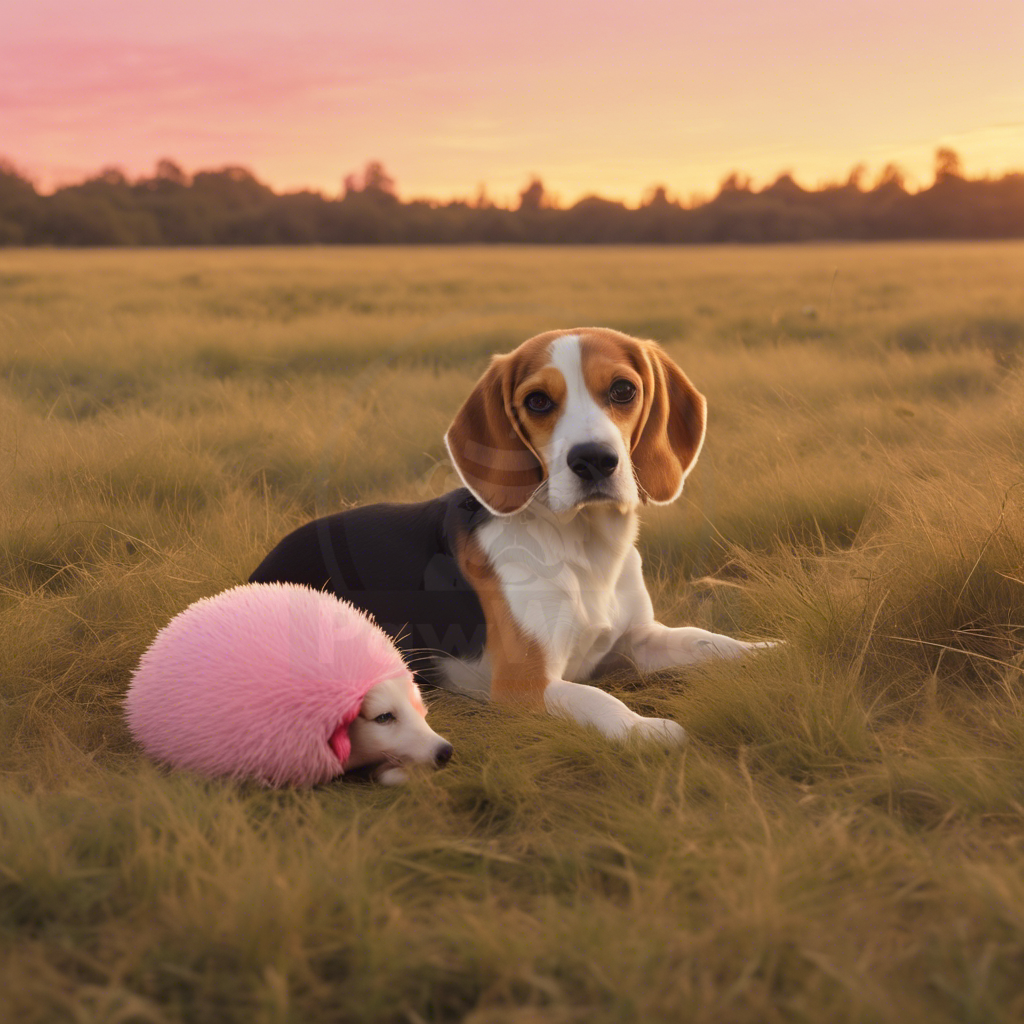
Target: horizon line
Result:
[858, 173]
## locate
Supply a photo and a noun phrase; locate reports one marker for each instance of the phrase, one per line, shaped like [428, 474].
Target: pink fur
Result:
[260, 681]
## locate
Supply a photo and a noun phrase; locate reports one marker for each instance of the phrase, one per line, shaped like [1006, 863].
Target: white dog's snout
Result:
[392, 732]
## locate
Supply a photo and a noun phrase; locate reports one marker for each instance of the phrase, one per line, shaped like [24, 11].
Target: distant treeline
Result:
[231, 207]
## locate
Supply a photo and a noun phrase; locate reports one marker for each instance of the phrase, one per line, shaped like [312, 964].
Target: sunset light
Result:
[512, 513]
[455, 95]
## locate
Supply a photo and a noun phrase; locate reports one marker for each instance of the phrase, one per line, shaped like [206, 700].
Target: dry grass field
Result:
[843, 839]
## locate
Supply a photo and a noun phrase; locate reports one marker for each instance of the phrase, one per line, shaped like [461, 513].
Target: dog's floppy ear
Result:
[490, 453]
[671, 431]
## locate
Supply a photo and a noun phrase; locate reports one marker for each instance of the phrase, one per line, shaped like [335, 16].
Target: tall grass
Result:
[840, 841]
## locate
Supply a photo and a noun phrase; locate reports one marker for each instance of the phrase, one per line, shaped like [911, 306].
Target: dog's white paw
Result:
[660, 730]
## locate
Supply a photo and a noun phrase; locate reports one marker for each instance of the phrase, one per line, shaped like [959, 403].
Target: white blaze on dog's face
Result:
[391, 731]
[572, 418]
[586, 447]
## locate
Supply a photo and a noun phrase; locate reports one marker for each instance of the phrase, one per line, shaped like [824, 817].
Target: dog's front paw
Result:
[660, 730]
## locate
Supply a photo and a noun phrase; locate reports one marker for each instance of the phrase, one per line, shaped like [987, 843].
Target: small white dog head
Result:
[577, 417]
[391, 732]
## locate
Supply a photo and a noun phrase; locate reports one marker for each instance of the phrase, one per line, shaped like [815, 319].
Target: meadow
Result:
[843, 838]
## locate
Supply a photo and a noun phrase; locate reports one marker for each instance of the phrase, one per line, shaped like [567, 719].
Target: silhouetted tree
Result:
[482, 200]
[374, 182]
[230, 206]
[784, 184]
[169, 171]
[856, 178]
[113, 176]
[376, 179]
[656, 197]
[236, 186]
[533, 197]
[947, 164]
[892, 175]
[734, 182]
[19, 206]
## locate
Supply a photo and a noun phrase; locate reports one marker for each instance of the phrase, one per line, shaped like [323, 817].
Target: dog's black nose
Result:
[592, 461]
[443, 755]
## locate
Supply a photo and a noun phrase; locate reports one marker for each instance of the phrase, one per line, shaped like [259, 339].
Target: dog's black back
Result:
[398, 563]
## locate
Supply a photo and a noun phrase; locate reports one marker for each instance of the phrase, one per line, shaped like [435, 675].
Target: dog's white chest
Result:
[559, 580]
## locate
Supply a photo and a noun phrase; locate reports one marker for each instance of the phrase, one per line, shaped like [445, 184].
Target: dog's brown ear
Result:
[671, 431]
[490, 453]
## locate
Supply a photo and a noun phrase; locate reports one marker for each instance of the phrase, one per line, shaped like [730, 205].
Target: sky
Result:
[600, 97]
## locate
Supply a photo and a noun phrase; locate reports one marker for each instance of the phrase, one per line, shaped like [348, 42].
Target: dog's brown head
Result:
[580, 416]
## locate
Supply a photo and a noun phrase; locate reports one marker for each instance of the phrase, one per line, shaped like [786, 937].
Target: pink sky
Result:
[603, 97]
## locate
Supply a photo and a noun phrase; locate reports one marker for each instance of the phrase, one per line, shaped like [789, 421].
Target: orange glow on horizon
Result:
[461, 94]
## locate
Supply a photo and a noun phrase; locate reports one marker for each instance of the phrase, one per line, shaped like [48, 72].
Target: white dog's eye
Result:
[386, 717]
[622, 391]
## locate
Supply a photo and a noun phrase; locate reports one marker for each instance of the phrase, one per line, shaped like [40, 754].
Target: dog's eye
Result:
[386, 717]
[537, 401]
[622, 391]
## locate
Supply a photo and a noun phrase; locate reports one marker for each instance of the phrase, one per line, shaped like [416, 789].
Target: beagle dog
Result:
[526, 583]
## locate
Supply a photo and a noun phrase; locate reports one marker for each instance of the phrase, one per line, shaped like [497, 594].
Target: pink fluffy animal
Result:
[282, 684]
